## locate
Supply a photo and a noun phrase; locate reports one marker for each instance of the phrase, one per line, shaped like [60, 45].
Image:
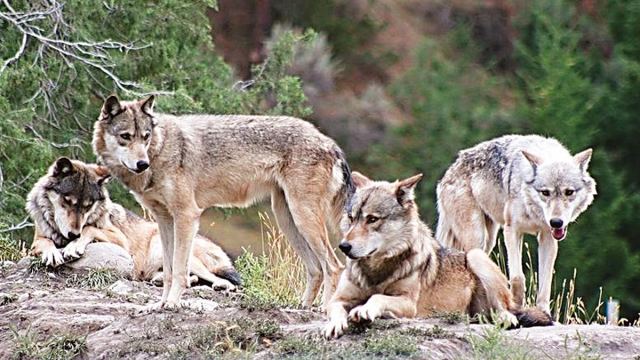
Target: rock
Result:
[104, 255]
[25, 262]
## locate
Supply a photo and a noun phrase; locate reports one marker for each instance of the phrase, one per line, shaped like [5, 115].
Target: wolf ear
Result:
[147, 104]
[103, 174]
[405, 190]
[534, 160]
[63, 167]
[111, 107]
[583, 158]
[360, 180]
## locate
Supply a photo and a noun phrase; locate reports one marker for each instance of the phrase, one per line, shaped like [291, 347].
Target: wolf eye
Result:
[371, 219]
[146, 136]
[545, 192]
[569, 192]
[125, 136]
[350, 217]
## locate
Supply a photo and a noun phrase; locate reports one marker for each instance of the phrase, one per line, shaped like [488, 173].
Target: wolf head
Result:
[127, 128]
[75, 189]
[562, 189]
[379, 222]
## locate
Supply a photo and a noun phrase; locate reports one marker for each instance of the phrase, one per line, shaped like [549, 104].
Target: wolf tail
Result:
[532, 317]
[230, 274]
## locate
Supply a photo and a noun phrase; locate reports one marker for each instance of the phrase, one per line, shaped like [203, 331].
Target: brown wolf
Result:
[526, 184]
[70, 208]
[396, 268]
[177, 166]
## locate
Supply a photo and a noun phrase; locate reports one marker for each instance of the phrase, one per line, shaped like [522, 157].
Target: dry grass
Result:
[566, 307]
[277, 276]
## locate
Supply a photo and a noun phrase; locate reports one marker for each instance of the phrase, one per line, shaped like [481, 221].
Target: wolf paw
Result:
[364, 313]
[151, 308]
[52, 257]
[507, 318]
[73, 250]
[335, 328]
[223, 285]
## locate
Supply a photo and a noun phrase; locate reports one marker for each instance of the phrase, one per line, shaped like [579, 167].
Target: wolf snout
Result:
[345, 247]
[556, 223]
[142, 165]
[72, 236]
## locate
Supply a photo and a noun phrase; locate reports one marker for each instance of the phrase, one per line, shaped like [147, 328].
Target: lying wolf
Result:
[396, 269]
[70, 208]
[177, 166]
[526, 184]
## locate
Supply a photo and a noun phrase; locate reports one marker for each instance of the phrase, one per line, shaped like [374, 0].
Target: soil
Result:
[110, 321]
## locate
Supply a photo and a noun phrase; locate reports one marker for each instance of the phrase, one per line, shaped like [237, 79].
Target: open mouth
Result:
[559, 233]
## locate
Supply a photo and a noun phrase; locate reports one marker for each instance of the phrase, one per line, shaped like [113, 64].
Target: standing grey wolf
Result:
[397, 269]
[526, 184]
[70, 208]
[177, 166]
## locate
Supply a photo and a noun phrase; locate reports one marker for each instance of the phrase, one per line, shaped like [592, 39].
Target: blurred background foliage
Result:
[401, 85]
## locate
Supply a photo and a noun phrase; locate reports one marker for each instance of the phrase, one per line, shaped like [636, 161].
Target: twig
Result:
[15, 57]
[24, 224]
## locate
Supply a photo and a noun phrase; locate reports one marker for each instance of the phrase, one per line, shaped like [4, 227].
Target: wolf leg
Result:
[380, 305]
[547, 252]
[185, 228]
[201, 271]
[165, 225]
[513, 242]
[300, 245]
[461, 222]
[310, 219]
[498, 298]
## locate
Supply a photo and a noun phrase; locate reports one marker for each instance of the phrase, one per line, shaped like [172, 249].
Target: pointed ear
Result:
[583, 158]
[111, 107]
[147, 104]
[360, 180]
[534, 160]
[103, 174]
[405, 190]
[62, 167]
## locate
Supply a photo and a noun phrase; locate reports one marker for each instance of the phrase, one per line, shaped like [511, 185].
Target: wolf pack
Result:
[178, 166]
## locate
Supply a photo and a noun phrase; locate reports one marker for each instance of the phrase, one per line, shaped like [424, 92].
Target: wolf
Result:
[70, 207]
[395, 267]
[524, 184]
[177, 166]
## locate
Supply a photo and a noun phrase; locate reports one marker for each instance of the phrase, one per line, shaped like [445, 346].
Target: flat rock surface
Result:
[104, 255]
[113, 321]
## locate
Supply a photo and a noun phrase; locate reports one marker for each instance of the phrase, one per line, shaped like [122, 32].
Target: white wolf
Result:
[526, 184]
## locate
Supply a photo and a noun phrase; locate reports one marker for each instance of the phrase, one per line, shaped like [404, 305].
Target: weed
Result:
[95, 279]
[59, 347]
[274, 279]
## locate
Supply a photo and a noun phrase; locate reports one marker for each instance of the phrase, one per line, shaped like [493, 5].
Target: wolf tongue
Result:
[558, 233]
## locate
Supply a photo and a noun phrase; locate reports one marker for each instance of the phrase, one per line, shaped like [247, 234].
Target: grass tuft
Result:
[274, 279]
[94, 279]
[58, 347]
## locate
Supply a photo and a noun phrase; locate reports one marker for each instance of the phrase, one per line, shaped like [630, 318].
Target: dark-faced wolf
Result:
[525, 184]
[397, 269]
[70, 208]
[177, 166]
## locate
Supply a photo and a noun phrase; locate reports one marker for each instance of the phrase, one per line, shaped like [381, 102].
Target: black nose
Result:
[556, 223]
[345, 247]
[142, 165]
[72, 235]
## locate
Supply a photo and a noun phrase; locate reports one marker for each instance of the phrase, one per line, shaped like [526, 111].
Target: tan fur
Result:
[502, 183]
[199, 161]
[397, 269]
[110, 222]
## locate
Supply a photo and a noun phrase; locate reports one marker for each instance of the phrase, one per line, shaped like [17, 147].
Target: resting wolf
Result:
[396, 268]
[177, 166]
[70, 208]
[526, 184]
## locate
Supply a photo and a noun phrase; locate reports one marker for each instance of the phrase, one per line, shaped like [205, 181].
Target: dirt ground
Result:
[58, 315]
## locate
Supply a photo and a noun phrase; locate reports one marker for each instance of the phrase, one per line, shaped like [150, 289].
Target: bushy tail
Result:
[532, 317]
[342, 200]
[230, 274]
